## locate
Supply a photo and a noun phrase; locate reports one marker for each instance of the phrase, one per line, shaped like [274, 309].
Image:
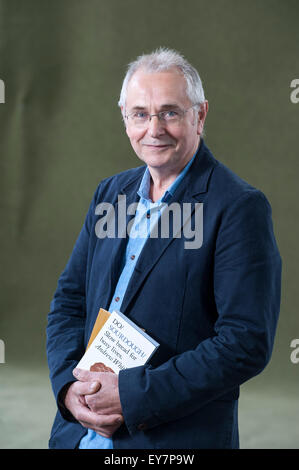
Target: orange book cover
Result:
[102, 317]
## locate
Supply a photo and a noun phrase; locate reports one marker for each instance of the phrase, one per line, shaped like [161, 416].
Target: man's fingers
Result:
[90, 376]
[86, 388]
[94, 421]
[86, 375]
[109, 420]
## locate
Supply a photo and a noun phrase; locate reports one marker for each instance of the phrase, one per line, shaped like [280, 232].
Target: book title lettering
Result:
[118, 344]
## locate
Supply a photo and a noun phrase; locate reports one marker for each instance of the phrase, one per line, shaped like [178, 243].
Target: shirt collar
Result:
[144, 187]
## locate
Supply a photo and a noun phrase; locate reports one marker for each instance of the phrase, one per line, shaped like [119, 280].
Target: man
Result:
[213, 307]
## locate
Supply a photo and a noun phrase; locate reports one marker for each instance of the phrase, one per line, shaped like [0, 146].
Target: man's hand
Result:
[105, 401]
[76, 402]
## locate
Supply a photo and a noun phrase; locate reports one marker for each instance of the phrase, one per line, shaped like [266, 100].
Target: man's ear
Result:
[123, 116]
[202, 114]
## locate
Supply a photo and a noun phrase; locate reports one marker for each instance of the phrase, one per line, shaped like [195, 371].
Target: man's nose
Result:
[155, 127]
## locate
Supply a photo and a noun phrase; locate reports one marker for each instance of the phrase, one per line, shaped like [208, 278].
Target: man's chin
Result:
[158, 154]
[154, 160]
[157, 148]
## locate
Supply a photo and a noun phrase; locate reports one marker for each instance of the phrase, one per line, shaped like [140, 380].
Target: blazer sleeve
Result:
[66, 319]
[247, 282]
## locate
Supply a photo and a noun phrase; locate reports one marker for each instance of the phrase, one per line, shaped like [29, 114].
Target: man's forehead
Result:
[169, 87]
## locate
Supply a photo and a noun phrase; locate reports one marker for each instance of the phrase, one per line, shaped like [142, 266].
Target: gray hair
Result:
[161, 60]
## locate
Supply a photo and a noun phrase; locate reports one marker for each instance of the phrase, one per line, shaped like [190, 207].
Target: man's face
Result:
[167, 147]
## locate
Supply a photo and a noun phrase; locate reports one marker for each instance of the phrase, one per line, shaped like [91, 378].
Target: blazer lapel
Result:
[125, 197]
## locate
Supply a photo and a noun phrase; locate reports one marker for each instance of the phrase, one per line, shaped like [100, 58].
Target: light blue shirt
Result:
[139, 233]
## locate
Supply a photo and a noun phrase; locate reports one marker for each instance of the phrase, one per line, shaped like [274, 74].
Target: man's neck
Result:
[159, 183]
[162, 178]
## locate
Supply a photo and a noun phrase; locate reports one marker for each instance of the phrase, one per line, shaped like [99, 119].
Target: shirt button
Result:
[116, 299]
[132, 256]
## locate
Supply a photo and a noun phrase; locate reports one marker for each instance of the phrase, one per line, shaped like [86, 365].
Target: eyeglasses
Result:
[170, 116]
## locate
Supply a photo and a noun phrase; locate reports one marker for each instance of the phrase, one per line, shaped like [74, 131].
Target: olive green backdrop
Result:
[62, 62]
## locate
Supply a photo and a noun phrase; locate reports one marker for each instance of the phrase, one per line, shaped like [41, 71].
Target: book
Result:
[116, 343]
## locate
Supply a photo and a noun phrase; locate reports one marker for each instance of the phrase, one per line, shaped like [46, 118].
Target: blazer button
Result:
[142, 427]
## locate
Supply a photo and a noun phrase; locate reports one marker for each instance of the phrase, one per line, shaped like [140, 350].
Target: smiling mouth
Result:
[157, 146]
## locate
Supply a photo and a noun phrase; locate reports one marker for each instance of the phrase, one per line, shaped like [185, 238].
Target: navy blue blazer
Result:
[214, 311]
